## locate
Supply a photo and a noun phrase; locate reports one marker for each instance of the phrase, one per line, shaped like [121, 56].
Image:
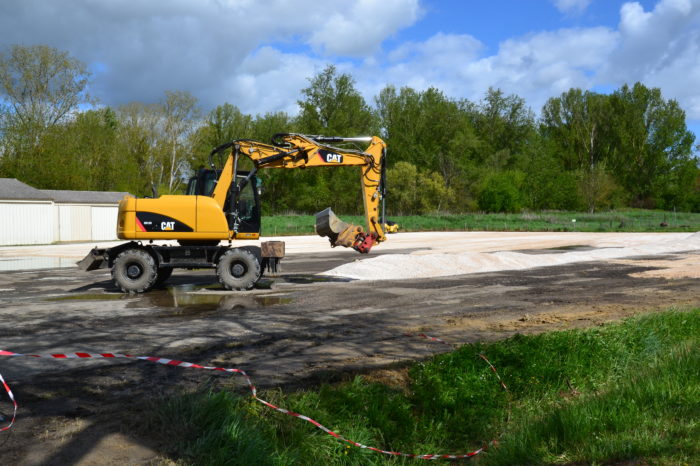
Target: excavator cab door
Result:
[247, 207]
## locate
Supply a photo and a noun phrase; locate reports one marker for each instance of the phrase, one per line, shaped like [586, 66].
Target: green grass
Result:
[616, 221]
[623, 392]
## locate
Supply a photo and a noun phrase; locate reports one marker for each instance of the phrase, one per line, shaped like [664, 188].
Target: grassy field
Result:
[628, 391]
[615, 221]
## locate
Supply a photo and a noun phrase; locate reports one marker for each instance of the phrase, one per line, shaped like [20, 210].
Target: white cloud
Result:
[536, 66]
[572, 6]
[141, 49]
[361, 28]
[660, 48]
[258, 55]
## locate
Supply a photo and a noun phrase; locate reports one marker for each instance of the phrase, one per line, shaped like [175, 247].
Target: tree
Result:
[577, 123]
[331, 105]
[81, 153]
[416, 191]
[158, 138]
[547, 185]
[179, 116]
[41, 86]
[500, 192]
[432, 132]
[651, 144]
[506, 127]
[223, 124]
[138, 139]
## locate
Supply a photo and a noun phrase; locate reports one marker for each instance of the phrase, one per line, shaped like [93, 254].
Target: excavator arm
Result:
[291, 150]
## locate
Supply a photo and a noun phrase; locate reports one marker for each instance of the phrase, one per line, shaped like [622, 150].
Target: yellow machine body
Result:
[178, 217]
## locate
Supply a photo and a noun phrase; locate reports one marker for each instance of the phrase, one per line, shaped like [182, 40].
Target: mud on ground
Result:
[297, 330]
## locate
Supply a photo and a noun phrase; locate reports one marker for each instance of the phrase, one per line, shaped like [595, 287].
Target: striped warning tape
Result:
[176, 363]
[14, 402]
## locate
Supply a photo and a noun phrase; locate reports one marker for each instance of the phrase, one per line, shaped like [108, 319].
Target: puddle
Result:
[179, 301]
[91, 297]
[559, 250]
[305, 279]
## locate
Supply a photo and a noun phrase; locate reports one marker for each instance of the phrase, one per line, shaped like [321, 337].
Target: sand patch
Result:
[426, 264]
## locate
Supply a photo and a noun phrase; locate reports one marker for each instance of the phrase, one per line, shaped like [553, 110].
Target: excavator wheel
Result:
[134, 271]
[238, 269]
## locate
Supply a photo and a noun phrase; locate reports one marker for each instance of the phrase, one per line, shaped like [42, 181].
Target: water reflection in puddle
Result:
[560, 249]
[181, 301]
[185, 300]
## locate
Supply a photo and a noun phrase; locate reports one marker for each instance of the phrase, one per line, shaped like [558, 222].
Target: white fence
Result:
[45, 222]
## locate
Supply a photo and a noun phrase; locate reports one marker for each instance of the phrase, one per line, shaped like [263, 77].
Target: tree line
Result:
[586, 150]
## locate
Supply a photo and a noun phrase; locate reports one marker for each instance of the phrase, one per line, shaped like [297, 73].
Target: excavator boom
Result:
[291, 150]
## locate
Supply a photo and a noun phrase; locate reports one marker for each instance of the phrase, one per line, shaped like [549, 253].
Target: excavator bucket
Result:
[338, 232]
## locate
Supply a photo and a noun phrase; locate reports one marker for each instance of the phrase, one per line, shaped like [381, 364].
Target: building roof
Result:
[12, 189]
[84, 197]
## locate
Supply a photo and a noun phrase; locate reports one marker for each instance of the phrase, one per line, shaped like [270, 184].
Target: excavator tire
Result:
[134, 271]
[238, 269]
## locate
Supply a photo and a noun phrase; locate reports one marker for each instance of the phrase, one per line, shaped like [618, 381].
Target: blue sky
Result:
[497, 20]
[258, 54]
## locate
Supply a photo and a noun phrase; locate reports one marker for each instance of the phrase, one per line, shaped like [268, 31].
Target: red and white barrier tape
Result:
[171, 362]
[14, 402]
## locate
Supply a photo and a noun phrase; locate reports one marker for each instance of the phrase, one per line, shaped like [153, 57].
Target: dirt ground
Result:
[296, 330]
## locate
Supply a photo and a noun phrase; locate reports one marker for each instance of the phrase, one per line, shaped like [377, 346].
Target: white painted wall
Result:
[104, 223]
[44, 222]
[31, 222]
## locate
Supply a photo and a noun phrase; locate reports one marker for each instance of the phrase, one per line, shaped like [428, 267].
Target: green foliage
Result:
[416, 191]
[331, 105]
[651, 141]
[506, 127]
[223, 433]
[429, 131]
[158, 140]
[41, 86]
[623, 392]
[589, 151]
[546, 186]
[500, 192]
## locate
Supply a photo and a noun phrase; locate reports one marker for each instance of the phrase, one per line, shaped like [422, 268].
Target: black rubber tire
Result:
[238, 269]
[134, 271]
[162, 275]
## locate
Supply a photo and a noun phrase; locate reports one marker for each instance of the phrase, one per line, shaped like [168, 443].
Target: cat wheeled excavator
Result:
[223, 204]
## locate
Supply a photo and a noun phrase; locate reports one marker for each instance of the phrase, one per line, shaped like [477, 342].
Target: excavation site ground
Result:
[308, 325]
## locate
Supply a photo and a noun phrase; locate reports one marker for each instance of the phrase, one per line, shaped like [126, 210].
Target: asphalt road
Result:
[299, 324]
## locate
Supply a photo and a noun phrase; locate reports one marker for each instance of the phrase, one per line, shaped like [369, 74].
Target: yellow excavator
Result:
[224, 205]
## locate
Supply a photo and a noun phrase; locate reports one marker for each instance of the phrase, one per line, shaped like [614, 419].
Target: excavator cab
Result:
[246, 196]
